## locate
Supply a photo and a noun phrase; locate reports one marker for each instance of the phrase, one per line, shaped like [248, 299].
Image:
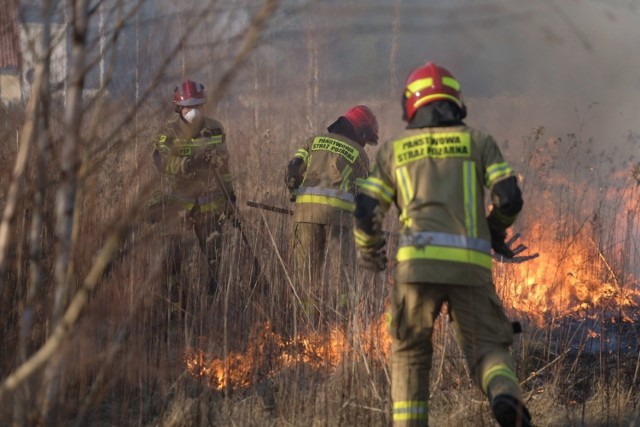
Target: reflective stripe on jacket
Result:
[325, 196]
[334, 167]
[436, 176]
[195, 162]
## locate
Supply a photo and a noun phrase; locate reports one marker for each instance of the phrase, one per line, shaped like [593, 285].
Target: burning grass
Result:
[270, 353]
[145, 354]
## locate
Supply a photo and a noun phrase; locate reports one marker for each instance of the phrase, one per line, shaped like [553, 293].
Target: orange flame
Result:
[271, 353]
[577, 270]
[582, 263]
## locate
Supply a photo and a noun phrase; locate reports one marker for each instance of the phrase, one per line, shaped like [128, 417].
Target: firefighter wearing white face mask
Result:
[197, 191]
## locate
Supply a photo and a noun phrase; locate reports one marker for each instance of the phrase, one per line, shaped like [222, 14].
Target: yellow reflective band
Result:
[496, 172]
[405, 219]
[302, 154]
[404, 183]
[323, 143]
[388, 318]
[161, 145]
[199, 142]
[438, 145]
[451, 82]
[360, 181]
[406, 190]
[470, 198]
[410, 410]
[175, 165]
[425, 99]
[326, 200]
[418, 85]
[363, 239]
[499, 370]
[346, 173]
[186, 149]
[441, 253]
[379, 188]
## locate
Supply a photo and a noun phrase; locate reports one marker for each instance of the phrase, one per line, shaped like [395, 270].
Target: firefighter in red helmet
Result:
[322, 177]
[436, 172]
[192, 156]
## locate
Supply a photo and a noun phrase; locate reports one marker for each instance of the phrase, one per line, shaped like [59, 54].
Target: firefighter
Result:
[192, 156]
[435, 172]
[322, 177]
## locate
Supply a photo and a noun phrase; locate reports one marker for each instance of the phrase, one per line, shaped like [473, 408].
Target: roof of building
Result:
[9, 37]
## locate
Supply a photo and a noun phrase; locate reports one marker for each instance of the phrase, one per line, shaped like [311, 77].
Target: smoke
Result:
[568, 66]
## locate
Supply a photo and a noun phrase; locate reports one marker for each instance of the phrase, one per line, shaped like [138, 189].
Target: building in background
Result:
[31, 25]
[10, 57]
[21, 31]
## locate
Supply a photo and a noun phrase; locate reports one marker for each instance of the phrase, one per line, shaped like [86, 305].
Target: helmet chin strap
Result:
[404, 108]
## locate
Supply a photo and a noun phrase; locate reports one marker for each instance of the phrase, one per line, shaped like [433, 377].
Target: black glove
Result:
[498, 236]
[373, 258]
[293, 176]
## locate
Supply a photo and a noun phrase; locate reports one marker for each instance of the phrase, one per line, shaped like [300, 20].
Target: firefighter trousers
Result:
[325, 265]
[208, 231]
[481, 329]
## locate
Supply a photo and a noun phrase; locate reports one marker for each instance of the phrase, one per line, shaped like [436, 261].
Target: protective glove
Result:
[499, 245]
[373, 258]
[292, 186]
[294, 176]
[498, 236]
[517, 250]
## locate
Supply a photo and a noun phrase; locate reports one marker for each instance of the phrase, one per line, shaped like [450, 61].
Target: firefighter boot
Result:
[509, 412]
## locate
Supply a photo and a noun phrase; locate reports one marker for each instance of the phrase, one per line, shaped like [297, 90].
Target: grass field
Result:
[142, 354]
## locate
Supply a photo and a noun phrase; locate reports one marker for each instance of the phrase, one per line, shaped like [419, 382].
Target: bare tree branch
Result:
[63, 328]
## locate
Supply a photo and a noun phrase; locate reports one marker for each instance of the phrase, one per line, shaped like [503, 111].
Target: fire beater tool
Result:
[517, 250]
[238, 225]
[269, 208]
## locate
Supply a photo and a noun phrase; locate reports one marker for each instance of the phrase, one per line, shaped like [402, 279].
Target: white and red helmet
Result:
[189, 94]
[429, 83]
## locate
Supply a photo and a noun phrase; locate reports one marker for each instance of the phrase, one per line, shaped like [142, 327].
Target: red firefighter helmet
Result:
[364, 122]
[190, 94]
[429, 83]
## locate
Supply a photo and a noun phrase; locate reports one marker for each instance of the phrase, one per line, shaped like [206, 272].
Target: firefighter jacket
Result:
[194, 160]
[324, 175]
[436, 177]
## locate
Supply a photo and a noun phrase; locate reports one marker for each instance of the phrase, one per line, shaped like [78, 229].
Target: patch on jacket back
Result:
[322, 143]
[437, 145]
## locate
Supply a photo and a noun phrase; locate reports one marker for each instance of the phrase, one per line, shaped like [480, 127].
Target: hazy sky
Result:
[568, 65]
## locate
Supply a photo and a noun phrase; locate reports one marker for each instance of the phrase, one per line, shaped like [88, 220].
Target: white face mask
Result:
[192, 115]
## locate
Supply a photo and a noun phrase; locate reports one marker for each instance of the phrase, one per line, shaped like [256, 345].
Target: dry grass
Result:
[123, 363]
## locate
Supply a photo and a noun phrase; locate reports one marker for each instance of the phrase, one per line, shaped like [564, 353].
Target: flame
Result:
[582, 265]
[584, 258]
[271, 353]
